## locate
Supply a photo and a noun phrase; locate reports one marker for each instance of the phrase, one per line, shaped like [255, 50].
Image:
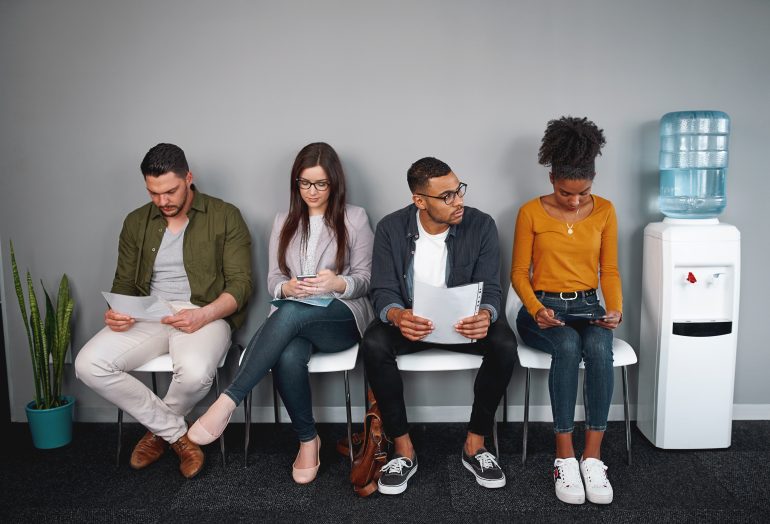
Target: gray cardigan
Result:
[358, 261]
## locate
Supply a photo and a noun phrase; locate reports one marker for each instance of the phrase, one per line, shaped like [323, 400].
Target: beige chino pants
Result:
[104, 363]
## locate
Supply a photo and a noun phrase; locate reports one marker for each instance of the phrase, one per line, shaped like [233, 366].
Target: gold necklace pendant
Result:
[571, 227]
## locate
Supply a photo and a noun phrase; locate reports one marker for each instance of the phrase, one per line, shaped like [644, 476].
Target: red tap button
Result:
[691, 278]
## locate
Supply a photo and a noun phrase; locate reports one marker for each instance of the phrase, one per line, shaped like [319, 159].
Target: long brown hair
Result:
[312, 155]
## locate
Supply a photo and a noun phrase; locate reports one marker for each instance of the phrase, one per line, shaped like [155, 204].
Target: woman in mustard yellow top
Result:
[568, 239]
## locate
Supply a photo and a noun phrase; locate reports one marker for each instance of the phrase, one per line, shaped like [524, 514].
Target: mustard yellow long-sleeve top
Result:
[563, 262]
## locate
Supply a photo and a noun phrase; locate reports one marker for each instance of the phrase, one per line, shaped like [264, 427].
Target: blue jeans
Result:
[568, 345]
[284, 344]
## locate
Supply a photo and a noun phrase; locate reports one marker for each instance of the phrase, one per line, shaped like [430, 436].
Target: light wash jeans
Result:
[103, 364]
[568, 345]
[284, 344]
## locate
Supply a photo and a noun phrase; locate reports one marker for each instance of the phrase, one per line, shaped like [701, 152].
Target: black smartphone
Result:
[566, 317]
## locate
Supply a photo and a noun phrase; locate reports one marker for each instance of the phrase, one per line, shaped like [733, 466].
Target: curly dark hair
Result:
[569, 146]
[423, 170]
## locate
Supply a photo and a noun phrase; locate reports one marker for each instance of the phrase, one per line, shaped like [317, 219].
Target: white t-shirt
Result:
[430, 256]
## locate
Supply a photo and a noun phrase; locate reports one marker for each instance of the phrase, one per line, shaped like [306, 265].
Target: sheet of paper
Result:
[312, 301]
[444, 307]
[140, 308]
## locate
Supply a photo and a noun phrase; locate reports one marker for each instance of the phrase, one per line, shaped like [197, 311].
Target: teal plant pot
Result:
[51, 428]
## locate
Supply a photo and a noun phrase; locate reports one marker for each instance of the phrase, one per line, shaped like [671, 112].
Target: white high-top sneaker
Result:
[566, 479]
[597, 485]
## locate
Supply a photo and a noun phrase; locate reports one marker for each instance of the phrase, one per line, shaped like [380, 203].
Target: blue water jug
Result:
[693, 163]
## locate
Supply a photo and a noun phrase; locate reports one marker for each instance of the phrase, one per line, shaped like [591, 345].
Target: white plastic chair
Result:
[435, 359]
[623, 355]
[319, 362]
[163, 364]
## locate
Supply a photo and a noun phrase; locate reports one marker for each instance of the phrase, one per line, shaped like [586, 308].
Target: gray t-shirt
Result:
[169, 278]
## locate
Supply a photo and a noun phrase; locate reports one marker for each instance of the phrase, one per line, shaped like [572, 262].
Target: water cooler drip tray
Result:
[703, 329]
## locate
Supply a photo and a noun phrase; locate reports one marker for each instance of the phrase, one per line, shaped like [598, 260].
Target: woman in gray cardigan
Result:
[320, 266]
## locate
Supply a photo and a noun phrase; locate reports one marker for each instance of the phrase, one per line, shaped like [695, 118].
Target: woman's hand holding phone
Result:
[326, 281]
[546, 318]
[295, 288]
[610, 321]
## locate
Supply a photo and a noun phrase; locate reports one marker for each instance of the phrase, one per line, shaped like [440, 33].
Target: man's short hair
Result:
[165, 158]
[423, 170]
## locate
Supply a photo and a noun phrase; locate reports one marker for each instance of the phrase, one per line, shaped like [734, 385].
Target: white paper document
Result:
[444, 307]
[140, 308]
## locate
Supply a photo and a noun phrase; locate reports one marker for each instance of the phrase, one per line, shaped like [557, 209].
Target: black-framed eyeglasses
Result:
[321, 185]
[449, 196]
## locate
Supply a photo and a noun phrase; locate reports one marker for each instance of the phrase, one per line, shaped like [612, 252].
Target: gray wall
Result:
[86, 87]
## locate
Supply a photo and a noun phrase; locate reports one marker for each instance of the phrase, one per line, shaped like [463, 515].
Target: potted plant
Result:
[50, 414]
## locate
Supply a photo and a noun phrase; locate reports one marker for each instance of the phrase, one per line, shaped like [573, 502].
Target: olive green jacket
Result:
[216, 253]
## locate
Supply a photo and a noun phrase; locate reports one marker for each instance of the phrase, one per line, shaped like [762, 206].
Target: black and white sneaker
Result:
[395, 475]
[485, 468]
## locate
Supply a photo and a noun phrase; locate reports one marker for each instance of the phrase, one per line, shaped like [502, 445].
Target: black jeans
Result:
[382, 343]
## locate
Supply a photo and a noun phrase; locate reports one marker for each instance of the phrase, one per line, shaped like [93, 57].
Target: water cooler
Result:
[690, 292]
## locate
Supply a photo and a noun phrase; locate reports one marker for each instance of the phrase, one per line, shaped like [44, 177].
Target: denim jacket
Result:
[473, 255]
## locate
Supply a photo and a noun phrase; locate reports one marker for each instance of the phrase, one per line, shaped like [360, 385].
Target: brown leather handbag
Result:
[372, 453]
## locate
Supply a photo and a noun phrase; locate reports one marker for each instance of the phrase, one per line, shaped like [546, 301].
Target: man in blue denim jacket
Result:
[438, 241]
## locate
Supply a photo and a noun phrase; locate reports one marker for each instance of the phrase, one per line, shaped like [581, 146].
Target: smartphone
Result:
[580, 316]
[303, 277]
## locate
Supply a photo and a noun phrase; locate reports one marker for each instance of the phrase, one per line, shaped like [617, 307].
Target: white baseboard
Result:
[416, 414]
[751, 411]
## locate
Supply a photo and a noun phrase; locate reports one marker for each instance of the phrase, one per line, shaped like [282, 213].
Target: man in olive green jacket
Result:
[194, 251]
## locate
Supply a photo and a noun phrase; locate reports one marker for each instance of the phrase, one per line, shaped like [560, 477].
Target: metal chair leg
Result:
[494, 438]
[505, 406]
[222, 436]
[349, 417]
[154, 383]
[247, 429]
[585, 402]
[526, 419]
[276, 405]
[120, 436]
[628, 417]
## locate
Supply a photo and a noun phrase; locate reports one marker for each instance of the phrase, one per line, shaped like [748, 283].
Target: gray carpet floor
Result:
[81, 483]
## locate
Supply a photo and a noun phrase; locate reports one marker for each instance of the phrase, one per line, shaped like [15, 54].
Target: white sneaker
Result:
[566, 479]
[598, 487]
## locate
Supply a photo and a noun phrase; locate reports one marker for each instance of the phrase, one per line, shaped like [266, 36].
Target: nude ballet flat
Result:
[213, 422]
[306, 475]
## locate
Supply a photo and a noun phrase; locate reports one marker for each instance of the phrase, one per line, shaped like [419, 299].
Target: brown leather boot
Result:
[191, 457]
[149, 449]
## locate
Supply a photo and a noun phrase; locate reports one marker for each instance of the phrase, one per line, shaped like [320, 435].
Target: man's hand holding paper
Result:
[126, 309]
[475, 327]
[412, 327]
[454, 312]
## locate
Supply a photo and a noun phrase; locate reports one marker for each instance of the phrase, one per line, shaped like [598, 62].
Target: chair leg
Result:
[585, 402]
[628, 418]
[494, 438]
[526, 419]
[222, 436]
[247, 429]
[349, 416]
[120, 436]
[505, 406]
[276, 405]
